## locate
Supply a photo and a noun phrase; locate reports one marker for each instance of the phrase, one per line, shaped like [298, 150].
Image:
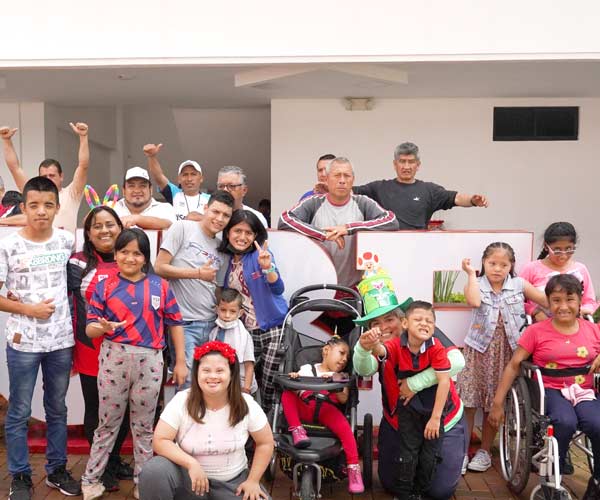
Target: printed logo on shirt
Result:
[48, 259]
[156, 302]
[102, 277]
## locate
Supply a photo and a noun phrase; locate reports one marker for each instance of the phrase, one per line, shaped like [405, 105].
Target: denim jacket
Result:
[510, 302]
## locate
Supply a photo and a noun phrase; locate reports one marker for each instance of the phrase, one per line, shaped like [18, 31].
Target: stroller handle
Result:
[325, 286]
[310, 383]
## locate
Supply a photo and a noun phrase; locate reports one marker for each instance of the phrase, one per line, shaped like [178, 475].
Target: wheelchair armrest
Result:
[315, 384]
[528, 365]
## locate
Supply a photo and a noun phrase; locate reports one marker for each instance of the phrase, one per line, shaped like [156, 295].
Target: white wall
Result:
[72, 32]
[529, 184]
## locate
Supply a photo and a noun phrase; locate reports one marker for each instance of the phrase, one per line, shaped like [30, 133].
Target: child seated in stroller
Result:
[299, 406]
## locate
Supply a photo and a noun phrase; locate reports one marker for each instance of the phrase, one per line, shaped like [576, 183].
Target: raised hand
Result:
[369, 339]
[264, 256]
[467, 267]
[479, 200]
[207, 272]
[6, 133]
[151, 150]
[80, 128]
[109, 326]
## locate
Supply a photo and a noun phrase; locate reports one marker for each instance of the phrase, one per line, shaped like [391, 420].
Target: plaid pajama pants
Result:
[266, 363]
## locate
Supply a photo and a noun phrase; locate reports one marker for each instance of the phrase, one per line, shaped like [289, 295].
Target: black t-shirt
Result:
[413, 204]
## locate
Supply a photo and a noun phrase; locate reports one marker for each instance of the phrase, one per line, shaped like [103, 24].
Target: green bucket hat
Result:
[379, 297]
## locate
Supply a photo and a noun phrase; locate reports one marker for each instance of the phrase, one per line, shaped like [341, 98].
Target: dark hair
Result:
[238, 408]
[555, 232]
[249, 218]
[129, 235]
[50, 162]
[42, 185]
[221, 196]
[419, 304]
[265, 202]
[12, 199]
[564, 283]
[499, 245]
[88, 248]
[230, 295]
[328, 156]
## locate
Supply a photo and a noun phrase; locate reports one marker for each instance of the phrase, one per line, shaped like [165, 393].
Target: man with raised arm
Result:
[187, 200]
[412, 200]
[69, 196]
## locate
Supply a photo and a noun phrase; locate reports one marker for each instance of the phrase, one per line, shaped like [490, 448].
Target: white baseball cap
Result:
[137, 173]
[189, 163]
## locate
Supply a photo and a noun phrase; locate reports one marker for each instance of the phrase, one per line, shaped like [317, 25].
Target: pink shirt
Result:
[552, 349]
[538, 274]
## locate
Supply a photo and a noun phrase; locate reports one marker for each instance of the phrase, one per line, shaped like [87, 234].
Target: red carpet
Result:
[76, 443]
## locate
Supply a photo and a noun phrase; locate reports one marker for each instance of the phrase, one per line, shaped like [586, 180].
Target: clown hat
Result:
[379, 297]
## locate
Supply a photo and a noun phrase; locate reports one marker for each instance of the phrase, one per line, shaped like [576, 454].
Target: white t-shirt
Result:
[69, 200]
[184, 204]
[218, 447]
[307, 371]
[35, 272]
[155, 209]
[240, 339]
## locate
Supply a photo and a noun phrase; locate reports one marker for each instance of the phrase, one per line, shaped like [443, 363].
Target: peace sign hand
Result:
[264, 256]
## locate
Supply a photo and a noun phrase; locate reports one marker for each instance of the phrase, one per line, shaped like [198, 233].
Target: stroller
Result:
[324, 460]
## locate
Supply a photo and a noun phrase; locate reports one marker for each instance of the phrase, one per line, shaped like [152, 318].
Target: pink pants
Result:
[297, 411]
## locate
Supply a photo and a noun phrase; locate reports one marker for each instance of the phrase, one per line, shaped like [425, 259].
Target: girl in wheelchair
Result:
[564, 341]
[300, 406]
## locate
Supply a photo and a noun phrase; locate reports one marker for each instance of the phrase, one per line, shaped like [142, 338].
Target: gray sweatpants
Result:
[161, 479]
[127, 374]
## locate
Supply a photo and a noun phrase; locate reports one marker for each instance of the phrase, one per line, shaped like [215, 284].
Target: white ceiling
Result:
[212, 87]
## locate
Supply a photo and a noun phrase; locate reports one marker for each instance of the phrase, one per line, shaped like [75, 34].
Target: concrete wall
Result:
[529, 184]
[74, 32]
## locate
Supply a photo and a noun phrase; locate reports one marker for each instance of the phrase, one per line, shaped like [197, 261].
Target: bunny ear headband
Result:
[93, 200]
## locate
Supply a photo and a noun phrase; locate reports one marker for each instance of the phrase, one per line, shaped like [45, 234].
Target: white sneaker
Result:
[480, 462]
[463, 470]
[92, 491]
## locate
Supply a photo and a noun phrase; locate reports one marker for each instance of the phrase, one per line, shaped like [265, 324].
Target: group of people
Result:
[214, 295]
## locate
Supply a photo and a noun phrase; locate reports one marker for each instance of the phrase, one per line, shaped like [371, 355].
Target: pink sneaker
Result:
[301, 440]
[355, 482]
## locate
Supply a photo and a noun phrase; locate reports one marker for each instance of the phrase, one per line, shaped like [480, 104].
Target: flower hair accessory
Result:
[215, 346]
[93, 200]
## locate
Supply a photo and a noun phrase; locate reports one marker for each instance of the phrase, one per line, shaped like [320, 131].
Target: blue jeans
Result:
[23, 369]
[195, 334]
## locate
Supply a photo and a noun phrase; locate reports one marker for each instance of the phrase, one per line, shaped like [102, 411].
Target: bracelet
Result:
[272, 269]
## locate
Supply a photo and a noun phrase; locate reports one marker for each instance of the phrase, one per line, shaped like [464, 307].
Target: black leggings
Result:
[89, 387]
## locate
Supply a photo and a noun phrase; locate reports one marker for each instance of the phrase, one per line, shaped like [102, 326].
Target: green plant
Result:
[443, 285]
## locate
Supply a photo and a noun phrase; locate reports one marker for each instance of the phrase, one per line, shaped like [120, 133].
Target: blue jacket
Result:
[270, 306]
[510, 302]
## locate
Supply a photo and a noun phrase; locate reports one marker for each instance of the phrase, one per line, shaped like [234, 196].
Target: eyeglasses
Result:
[566, 251]
[228, 187]
[412, 161]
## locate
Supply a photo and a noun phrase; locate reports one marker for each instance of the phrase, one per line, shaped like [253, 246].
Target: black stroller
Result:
[324, 460]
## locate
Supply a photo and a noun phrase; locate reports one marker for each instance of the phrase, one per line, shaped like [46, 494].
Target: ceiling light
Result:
[359, 103]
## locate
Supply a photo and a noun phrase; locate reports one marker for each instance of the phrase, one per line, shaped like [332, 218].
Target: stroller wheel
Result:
[307, 485]
[544, 492]
[367, 450]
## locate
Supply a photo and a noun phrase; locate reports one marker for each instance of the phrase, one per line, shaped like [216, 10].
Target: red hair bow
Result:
[222, 348]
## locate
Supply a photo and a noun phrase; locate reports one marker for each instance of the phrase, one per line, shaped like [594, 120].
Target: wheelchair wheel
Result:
[367, 450]
[590, 458]
[516, 437]
[544, 492]
[307, 485]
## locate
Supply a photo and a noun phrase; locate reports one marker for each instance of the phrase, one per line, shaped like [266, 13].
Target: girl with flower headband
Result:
[200, 438]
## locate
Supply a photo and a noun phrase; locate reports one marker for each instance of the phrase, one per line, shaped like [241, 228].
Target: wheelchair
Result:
[526, 436]
[323, 461]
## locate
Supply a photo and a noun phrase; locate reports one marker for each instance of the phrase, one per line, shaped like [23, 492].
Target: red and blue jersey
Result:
[146, 305]
[401, 363]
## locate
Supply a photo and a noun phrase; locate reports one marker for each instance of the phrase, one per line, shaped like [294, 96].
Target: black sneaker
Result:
[592, 491]
[121, 469]
[62, 480]
[109, 479]
[568, 468]
[20, 488]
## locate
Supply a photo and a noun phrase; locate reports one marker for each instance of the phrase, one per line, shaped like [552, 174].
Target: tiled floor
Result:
[474, 485]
